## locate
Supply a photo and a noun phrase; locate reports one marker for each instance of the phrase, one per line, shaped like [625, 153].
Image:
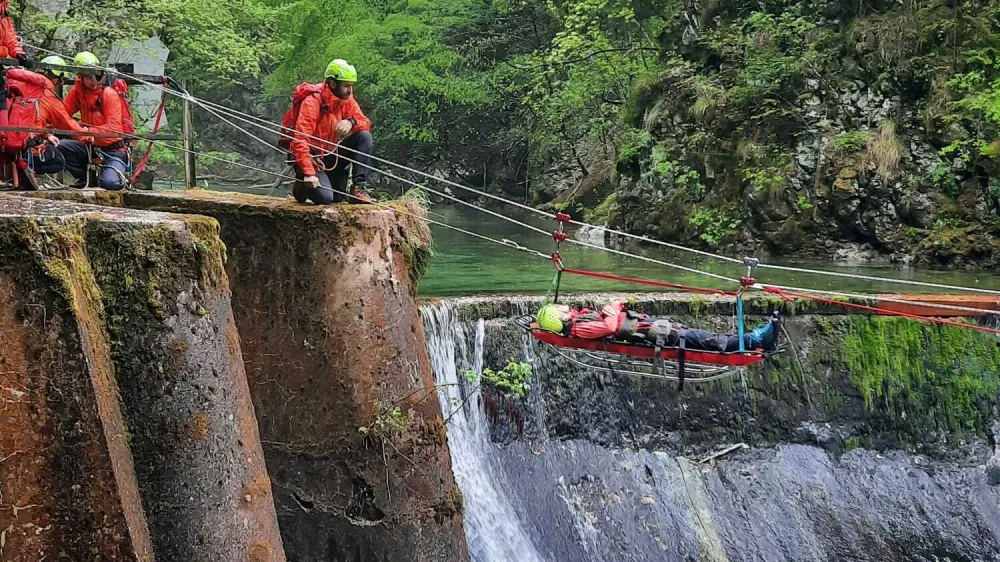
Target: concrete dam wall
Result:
[870, 439]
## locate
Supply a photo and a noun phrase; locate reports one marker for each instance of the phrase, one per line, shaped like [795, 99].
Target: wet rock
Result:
[595, 497]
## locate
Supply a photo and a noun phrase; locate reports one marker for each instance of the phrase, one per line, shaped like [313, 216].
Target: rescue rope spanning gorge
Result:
[274, 128]
[803, 292]
[487, 211]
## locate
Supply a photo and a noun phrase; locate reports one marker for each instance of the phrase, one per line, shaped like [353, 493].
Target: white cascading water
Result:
[492, 527]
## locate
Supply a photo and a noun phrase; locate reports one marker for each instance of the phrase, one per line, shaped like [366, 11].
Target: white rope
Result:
[487, 211]
[503, 242]
[878, 279]
[267, 125]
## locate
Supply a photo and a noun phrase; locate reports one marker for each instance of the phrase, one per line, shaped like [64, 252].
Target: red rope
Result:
[881, 311]
[156, 128]
[660, 284]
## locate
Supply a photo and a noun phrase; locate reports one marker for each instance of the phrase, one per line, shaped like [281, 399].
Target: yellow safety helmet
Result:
[549, 319]
[56, 60]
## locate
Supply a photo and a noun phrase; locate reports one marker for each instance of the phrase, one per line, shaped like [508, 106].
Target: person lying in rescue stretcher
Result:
[629, 326]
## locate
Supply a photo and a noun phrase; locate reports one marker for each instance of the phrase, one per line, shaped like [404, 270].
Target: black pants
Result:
[700, 340]
[710, 341]
[113, 171]
[333, 182]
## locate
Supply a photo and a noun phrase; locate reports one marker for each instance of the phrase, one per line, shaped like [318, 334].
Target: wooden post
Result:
[190, 174]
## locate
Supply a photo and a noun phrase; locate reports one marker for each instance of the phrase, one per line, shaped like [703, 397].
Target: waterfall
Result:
[492, 526]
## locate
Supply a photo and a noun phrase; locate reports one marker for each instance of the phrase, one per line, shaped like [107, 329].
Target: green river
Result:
[464, 265]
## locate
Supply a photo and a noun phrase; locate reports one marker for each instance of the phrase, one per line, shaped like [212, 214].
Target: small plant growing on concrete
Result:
[387, 422]
[513, 377]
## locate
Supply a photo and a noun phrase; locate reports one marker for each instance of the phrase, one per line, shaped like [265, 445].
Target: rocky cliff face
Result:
[822, 128]
[869, 440]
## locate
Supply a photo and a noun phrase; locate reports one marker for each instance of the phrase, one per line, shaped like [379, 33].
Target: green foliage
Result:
[514, 377]
[852, 142]
[716, 226]
[768, 182]
[412, 83]
[803, 204]
[215, 45]
[387, 421]
[603, 213]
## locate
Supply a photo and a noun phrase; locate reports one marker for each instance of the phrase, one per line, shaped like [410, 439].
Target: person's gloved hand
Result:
[311, 181]
[53, 140]
[25, 60]
[344, 128]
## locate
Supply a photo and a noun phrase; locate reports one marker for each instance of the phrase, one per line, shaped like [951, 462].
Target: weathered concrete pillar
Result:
[169, 333]
[67, 485]
[180, 371]
[332, 340]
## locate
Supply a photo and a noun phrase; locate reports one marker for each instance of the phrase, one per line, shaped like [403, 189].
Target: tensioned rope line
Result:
[488, 211]
[516, 246]
[267, 125]
[880, 298]
[503, 242]
[271, 127]
[886, 312]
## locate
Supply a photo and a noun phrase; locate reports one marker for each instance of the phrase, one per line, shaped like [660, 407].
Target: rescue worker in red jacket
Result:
[628, 326]
[101, 111]
[334, 116]
[40, 154]
[10, 45]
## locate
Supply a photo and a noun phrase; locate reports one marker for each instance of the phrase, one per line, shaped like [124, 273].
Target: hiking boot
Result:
[361, 196]
[299, 191]
[765, 336]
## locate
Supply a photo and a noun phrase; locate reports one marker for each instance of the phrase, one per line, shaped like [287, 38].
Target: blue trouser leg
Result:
[361, 142]
[44, 160]
[324, 194]
[114, 169]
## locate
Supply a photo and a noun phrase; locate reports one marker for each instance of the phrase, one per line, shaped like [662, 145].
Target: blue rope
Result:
[739, 320]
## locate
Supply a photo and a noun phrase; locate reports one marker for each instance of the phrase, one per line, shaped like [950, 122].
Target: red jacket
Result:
[313, 121]
[586, 323]
[10, 45]
[100, 111]
[51, 111]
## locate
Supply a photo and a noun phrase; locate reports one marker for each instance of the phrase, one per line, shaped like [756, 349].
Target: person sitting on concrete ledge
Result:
[631, 327]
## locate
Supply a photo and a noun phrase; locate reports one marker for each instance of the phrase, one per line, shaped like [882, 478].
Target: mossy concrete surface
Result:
[67, 483]
[333, 345]
[149, 296]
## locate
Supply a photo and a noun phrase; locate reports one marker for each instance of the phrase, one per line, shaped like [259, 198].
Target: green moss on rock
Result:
[928, 375]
